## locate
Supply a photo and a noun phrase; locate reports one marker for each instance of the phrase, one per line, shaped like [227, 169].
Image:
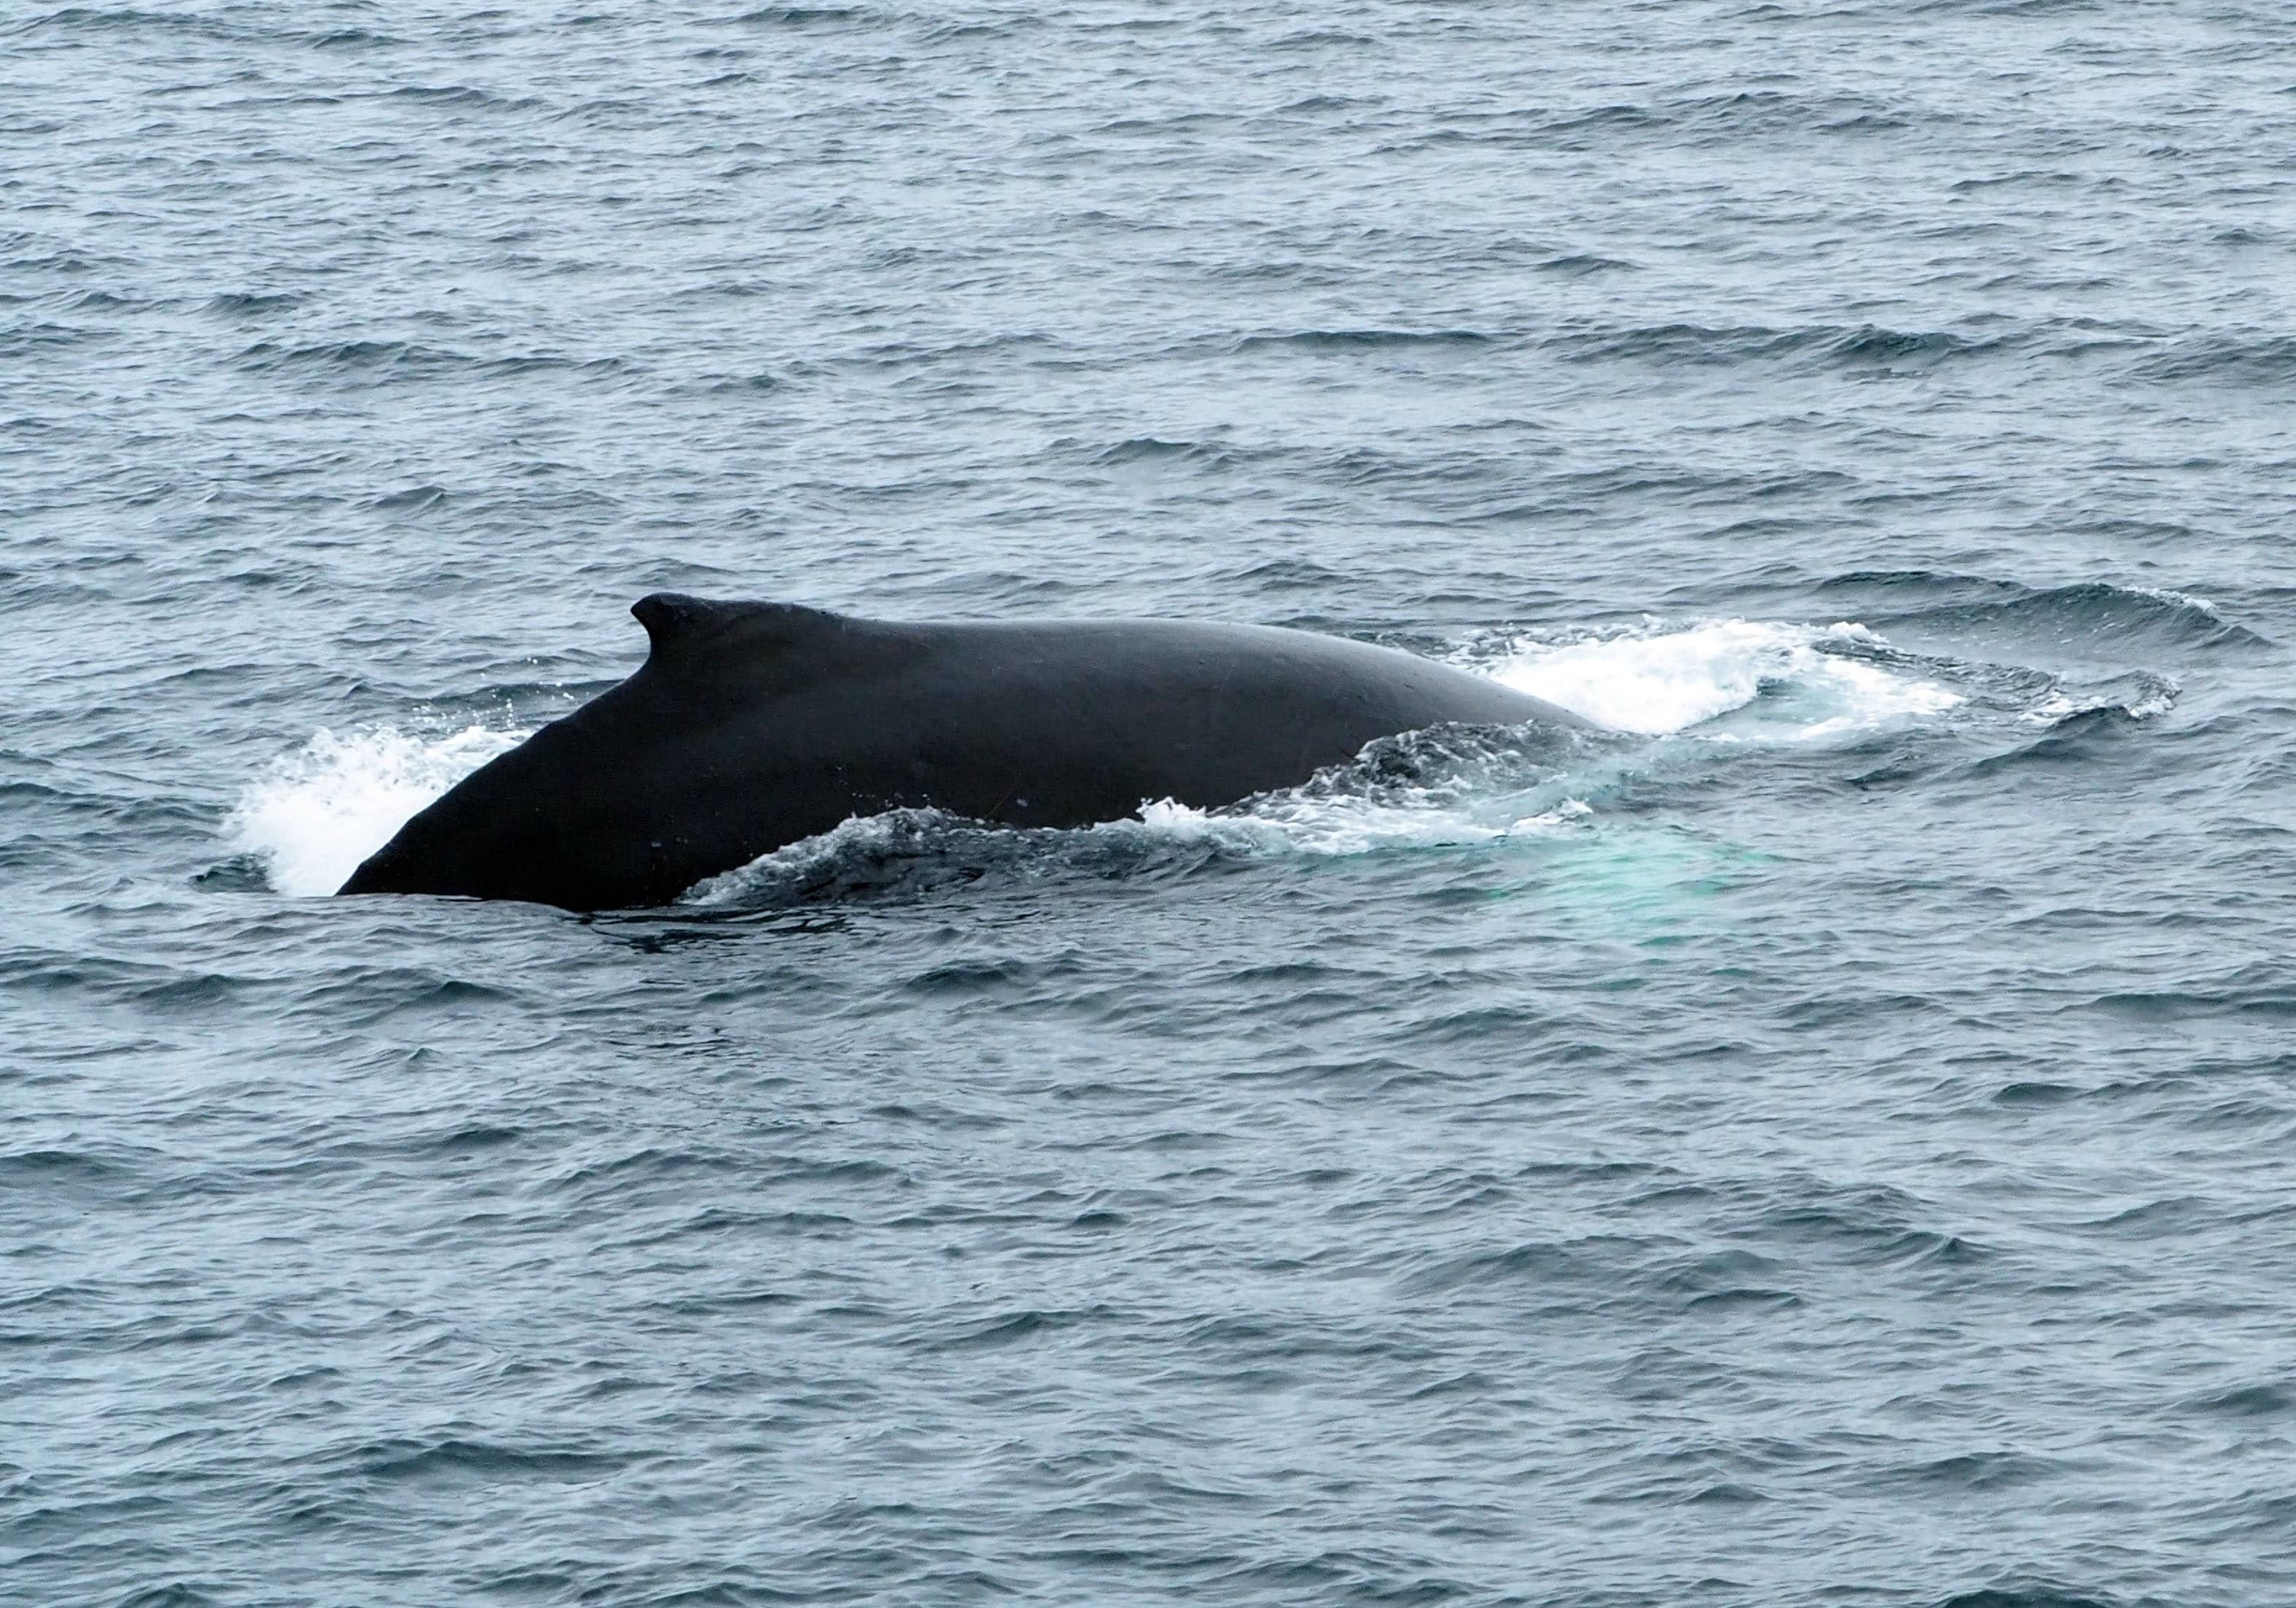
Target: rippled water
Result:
[1824, 1142]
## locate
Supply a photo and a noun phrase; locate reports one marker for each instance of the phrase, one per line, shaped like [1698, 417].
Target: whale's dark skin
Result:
[753, 725]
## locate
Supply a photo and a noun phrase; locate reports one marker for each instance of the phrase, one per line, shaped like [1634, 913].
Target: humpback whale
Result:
[753, 725]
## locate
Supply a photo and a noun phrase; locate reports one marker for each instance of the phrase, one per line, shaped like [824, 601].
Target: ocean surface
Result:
[1825, 1140]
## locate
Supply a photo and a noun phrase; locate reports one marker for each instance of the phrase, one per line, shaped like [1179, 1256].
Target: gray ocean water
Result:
[1827, 1142]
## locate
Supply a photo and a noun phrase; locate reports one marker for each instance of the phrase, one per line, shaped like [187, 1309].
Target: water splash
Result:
[1656, 679]
[339, 797]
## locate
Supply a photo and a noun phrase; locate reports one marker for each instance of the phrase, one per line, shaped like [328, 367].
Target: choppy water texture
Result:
[1827, 1143]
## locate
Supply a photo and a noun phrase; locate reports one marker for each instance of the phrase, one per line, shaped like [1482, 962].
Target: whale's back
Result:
[753, 725]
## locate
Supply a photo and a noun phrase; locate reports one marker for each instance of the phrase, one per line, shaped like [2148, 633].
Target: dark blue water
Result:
[1827, 1143]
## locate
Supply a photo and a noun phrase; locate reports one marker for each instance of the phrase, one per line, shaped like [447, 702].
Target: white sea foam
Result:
[327, 807]
[1658, 679]
[2151, 700]
[1340, 823]
[2167, 595]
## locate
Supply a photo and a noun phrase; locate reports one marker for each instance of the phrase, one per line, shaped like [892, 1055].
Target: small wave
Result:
[2266, 1398]
[1678, 343]
[337, 799]
[951, 33]
[457, 1461]
[2024, 1596]
[2139, 695]
[125, 21]
[59, 1174]
[1350, 340]
[413, 499]
[1660, 679]
[1322, 103]
[458, 95]
[2082, 611]
[402, 359]
[350, 38]
[1871, 344]
[1863, 347]
[1584, 265]
[175, 1594]
[2079, 737]
[1290, 575]
[341, 354]
[24, 342]
[2251, 359]
[233, 303]
[2003, 8]
[1155, 449]
[743, 384]
[800, 16]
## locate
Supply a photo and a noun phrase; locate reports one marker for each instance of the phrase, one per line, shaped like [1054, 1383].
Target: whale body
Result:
[754, 725]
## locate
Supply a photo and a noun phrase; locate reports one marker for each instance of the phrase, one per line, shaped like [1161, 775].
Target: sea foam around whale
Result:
[1658, 679]
[328, 805]
[340, 796]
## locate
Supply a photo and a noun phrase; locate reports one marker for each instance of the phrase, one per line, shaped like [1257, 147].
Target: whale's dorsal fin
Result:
[677, 626]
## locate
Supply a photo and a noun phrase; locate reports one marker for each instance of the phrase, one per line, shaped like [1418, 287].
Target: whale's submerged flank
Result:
[754, 725]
